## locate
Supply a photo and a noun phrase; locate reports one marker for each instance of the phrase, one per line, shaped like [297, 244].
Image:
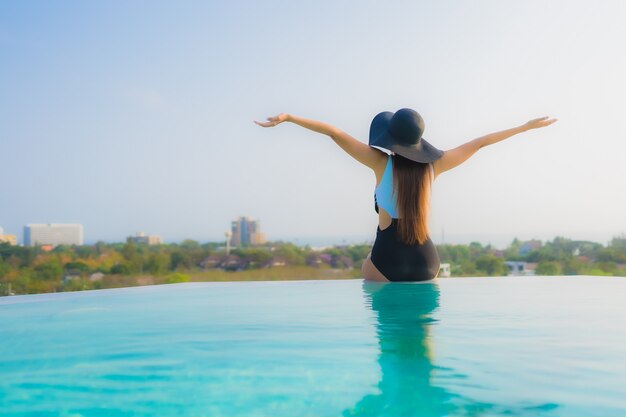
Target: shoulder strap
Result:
[375, 203]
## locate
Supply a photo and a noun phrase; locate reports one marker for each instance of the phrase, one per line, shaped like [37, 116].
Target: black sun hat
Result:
[401, 132]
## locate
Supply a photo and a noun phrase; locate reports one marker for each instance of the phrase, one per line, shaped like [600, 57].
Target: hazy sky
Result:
[137, 116]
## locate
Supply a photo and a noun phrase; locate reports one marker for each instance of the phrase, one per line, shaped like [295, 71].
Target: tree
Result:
[465, 268]
[254, 257]
[158, 263]
[76, 266]
[19, 256]
[62, 249]
[292, 254]
[180, 259]
[129, 251]
[49, 270]
[100, 248]
[134, 260]
[358, 252]
[85, 251]
[454, 253]
[190, 244]
[122, 268]
[548, 268]
[617, 249]
[4, 268]
[573, 266]
[609, 268]
[491, 265]
[512, 252]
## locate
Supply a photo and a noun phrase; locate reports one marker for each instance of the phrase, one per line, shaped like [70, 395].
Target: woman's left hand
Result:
[273, 121]
[539, 122]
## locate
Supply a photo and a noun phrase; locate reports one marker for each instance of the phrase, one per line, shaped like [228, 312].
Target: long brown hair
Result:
[412, 182]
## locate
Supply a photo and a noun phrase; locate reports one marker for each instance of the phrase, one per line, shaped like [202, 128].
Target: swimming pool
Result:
[526, 346]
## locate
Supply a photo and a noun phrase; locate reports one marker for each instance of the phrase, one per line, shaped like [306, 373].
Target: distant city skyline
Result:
[497, 241]
[111, 121]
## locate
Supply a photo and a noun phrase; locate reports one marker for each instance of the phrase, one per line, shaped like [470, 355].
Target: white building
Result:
[142, 238]
[53, 234]
[444, 270]
[520, 268]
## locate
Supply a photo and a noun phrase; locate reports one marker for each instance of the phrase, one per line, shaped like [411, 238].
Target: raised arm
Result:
[358, 150]
[455, 157]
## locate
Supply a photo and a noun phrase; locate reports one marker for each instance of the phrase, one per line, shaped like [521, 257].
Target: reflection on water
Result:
[404, 313]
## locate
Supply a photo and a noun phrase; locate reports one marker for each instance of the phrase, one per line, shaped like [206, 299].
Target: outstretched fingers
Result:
[271, 121]
[265, 124]
[540, 122]
[546, 121]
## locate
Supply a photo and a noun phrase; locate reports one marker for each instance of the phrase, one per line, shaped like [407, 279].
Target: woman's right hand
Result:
[539, 122]
[273, 121]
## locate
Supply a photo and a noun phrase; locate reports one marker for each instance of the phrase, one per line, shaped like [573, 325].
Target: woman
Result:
[403, 250]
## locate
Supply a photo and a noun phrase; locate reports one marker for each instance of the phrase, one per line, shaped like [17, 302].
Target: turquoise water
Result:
[526, 346]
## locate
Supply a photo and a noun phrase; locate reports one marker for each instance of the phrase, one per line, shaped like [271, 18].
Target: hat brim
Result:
[380, 137]
[423, 152]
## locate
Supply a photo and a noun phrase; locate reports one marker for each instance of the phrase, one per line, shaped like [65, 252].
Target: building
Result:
[53, 234]
[245, 231]
[444, 270]
[520, 268]
[10, 239]
[142, 238]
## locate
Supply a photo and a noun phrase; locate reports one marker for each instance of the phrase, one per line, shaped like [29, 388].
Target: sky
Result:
[138, 116]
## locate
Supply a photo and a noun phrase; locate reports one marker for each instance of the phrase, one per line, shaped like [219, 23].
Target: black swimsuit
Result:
[398, 261]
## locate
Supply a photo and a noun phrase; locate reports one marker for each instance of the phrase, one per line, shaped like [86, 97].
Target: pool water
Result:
[526, 346]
